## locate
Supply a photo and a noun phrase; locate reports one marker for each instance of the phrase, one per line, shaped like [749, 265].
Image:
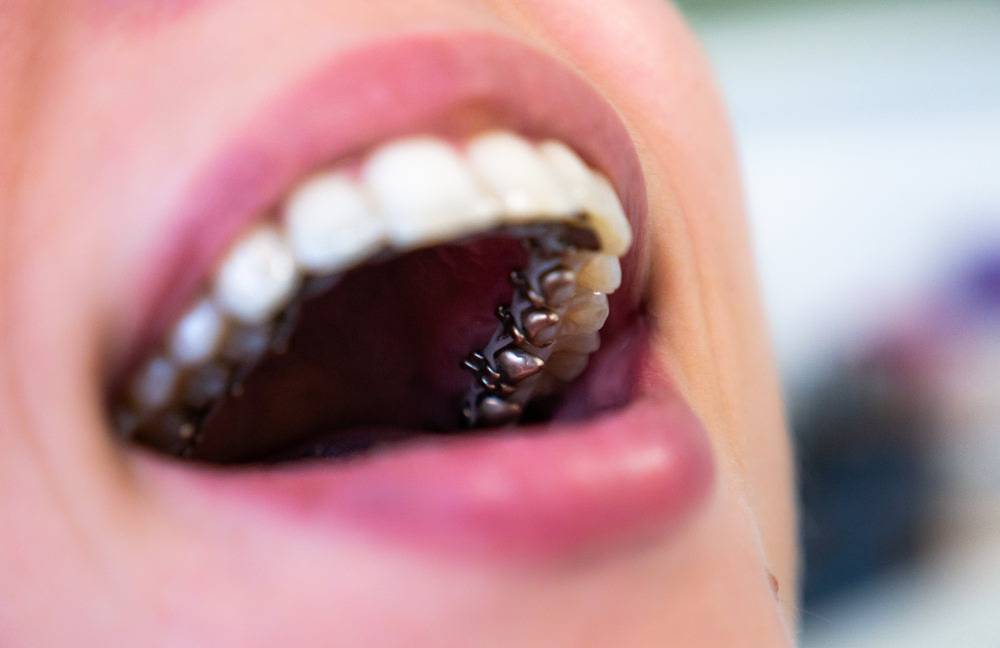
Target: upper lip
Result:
[449, 85]
[644, 467]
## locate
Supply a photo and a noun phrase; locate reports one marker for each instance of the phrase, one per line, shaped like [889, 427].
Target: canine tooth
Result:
[571, 171]
[580, 342]
[586, 313]
[603, 274]
[424, 191]
[257, 277]
[154, 385]
[517, 174]
[566, 365]
[196, 336]
[329, 224]
[607, 216]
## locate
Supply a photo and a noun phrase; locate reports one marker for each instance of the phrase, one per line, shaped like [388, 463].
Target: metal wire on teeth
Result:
[507, 370]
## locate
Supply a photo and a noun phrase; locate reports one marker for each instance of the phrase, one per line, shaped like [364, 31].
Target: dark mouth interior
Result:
[376, 359]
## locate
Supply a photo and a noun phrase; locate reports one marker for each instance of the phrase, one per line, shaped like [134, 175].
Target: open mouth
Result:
[444, 336]
[430, 288]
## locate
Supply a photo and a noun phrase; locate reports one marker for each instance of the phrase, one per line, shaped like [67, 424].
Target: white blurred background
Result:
[870, 139]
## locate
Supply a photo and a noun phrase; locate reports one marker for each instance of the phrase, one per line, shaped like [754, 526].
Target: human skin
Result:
[109, 110]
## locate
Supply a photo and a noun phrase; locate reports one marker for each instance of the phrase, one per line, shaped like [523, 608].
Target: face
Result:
[645, 500]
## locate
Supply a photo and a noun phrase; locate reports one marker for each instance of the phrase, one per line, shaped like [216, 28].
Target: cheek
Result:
[647, 62]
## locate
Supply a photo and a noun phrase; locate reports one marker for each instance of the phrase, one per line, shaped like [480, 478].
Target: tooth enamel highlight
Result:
[602, 274]
[196, 337]
[258, 277]
[154, 385]
[567, 166]
[329, 224]
[515, 172]
[586, 314]
[425, 192]
[607, 216]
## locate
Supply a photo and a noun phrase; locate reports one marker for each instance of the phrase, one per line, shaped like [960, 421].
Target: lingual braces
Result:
[507, 369]
[508, 372]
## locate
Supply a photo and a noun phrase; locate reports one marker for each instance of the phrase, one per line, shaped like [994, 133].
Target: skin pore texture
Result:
[110, 112]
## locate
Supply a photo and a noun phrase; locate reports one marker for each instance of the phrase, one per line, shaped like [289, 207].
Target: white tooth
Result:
[580, 342]
[603, 274]
[258, 276]
[329, 224]
[154, 385]
[595, 193]
[425, 192]
[513, 170]
[607, 216]
[566, 365]
[571, 171]
[586, 313]
[196, 336]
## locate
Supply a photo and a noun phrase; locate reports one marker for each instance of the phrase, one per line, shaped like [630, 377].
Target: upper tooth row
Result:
[409, 193]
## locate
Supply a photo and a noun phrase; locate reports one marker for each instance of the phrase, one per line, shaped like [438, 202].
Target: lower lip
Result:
[530, 494]
[527, 493]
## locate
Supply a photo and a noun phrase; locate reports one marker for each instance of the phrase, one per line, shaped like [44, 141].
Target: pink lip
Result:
[451, 85]
[575, 487]
[515, 495]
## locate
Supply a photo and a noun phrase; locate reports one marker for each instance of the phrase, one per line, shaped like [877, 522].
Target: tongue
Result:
[380, 351]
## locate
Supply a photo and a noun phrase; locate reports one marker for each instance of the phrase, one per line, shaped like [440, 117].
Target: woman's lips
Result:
[527, 492]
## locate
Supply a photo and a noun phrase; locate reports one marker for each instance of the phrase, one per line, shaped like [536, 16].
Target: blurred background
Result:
[870, 139]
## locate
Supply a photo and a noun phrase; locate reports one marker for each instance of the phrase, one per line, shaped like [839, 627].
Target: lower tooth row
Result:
[544, 339]
[548, 332]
